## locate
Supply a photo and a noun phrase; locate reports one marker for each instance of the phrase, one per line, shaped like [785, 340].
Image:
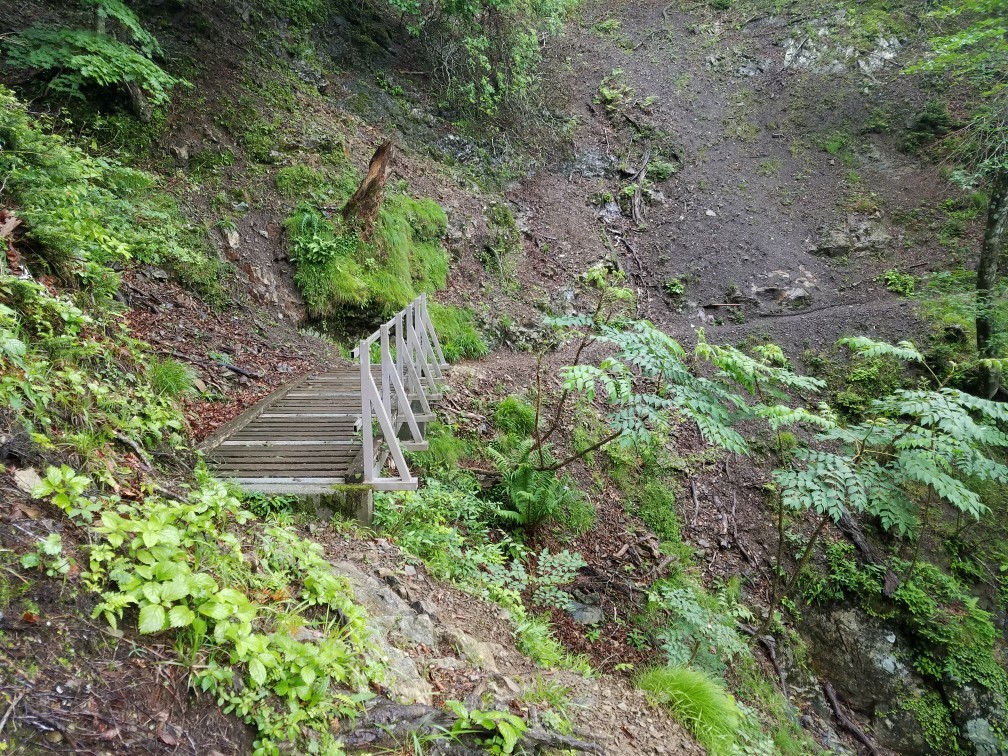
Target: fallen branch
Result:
[239, 370]
[846, 723]
[636, 205]
[145, 464]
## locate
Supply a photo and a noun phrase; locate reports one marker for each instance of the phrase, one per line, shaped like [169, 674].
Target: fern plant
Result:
[74, 59]
[532, 496]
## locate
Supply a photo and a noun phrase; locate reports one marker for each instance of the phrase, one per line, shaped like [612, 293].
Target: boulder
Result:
[862, 232]
[867, 663]
[27, 480]
[585, 614]
[392, 622]
[978, 712]
[475, 652]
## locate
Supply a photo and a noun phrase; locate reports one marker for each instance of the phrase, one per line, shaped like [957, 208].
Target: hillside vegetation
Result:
[723, 460]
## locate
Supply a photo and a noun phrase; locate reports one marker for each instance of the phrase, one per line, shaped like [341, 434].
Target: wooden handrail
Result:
[401, 398]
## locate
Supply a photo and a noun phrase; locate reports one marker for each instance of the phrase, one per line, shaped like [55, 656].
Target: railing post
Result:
[433, 333]
[418, 358]
[366, 429]
[386, 369]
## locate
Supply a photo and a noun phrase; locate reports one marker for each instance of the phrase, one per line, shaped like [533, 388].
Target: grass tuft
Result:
[170, 378]
[698, 701]
[515, 416]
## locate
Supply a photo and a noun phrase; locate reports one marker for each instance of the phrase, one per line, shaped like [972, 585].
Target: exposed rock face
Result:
[868, 664]
[782, 288]
[976, 711]
[392, 621]
[861, 233]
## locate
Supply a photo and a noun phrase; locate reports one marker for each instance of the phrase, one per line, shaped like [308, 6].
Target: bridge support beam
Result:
[348, 502]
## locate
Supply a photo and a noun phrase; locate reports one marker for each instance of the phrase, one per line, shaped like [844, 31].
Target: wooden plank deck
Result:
[303, 438]
[346, 426]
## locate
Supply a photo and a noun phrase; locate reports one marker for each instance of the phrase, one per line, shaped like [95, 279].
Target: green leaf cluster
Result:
[87, 215]
[933, 439]
[288, 628]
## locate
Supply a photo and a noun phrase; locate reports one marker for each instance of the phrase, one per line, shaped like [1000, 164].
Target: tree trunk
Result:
[362, 209]
[987, 277]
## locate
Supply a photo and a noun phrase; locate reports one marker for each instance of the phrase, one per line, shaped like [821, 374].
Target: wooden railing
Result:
[397, 403]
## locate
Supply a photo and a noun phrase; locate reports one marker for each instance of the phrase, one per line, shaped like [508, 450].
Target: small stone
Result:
[409, 570]
[584, 614]
[232, 238]
[424, 607]
[711, 214]
[27, 480]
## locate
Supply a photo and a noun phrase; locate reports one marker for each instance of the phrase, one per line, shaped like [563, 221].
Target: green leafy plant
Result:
[488, 54]
[898, 465]
[155, 560]
[534, 497]
[898, 282]
[86, 214]
[498, 732]
[696, 631]
[48, 556]
[66, 490]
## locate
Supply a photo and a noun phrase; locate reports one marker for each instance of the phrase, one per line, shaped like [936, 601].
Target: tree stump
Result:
[362, 208]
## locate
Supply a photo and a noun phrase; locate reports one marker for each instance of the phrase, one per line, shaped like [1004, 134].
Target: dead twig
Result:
[137, 450]
[637, 204]
[10, 709]
[770, 644]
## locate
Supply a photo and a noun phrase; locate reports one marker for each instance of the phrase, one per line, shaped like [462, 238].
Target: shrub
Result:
[698, 701]
[515, 416]
[898, 282]
[84, 214]
[456, 329]
[488, 54]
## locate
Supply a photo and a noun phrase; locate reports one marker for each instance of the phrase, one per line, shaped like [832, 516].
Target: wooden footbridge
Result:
[349, 426]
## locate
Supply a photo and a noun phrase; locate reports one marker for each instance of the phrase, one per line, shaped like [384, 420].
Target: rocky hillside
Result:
[722, 466]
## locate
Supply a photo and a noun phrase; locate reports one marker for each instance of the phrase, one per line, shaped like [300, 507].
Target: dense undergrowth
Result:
[88, 394]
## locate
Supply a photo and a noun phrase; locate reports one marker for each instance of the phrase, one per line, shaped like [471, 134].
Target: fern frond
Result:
[920, 467]
[904, 350]
[780, 416]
